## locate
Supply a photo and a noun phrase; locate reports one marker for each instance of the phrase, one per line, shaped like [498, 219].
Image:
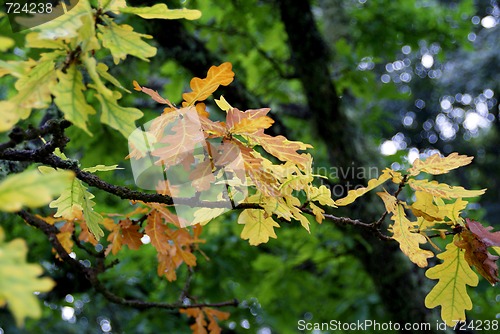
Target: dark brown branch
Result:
[438, 235]
[354, 222]
[18, 135]
[41, 156]
[91, 273]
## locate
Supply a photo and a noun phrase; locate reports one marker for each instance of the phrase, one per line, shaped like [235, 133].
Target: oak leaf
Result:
[19, 280]
[156, 230]
[282, 148]
[259, 227]
[408, 241]
[352, 195]
[247, 122]
[32, 189]
[436, 165]
[183, 138]
[122, 40]
[70, 99]
[161, 11]
[454, 273]
[153, 93]
[200, 315]
[475, 241]
[65, 237]
[203, 88]
[442, 189]
[131, 235]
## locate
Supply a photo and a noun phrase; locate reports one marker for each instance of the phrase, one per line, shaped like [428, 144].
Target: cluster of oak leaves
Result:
[285, 191]
[277, 172]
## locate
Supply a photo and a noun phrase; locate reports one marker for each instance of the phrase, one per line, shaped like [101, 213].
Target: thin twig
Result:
[91, 273]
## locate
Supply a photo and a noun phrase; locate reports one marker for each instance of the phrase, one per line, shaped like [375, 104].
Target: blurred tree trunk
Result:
[399, 288]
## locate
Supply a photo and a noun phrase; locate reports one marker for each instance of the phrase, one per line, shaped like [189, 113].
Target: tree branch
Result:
[91, 273]
[354, 222]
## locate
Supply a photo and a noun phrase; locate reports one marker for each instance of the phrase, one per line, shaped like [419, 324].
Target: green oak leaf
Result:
[116, 116]
[70, 99]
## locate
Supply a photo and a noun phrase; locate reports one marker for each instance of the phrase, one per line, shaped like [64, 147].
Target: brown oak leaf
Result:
[475, 241]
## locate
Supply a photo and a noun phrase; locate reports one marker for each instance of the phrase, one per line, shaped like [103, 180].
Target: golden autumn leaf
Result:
[408, 241]
[322, 195]
[425, 207]
[352, 195]
[442, 189]
[65, 237]
[131, 235]
[258, 226]
[203, 88]
[282, 148]
[115, 239]
[156, 230]
[201, 315]
[452, 210]
[223, 104]
[247, 122]
[454, 273]
[436, 165]
[161, 11]
[263, 180]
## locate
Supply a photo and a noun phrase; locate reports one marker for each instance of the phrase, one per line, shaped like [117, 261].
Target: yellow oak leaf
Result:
[435, 164]
[65, 237]
[277, 206]
[424, 207]
[408, 241]
[223, 104]
[282, 148]
[322, 195]
[318, 212]
[205, 215]
[259, 227]
[389, 200]
[161, 11]
[247, 122]
[352, 195]
[450, 292]
[203, 88]
[442, 189]
[452, 210]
